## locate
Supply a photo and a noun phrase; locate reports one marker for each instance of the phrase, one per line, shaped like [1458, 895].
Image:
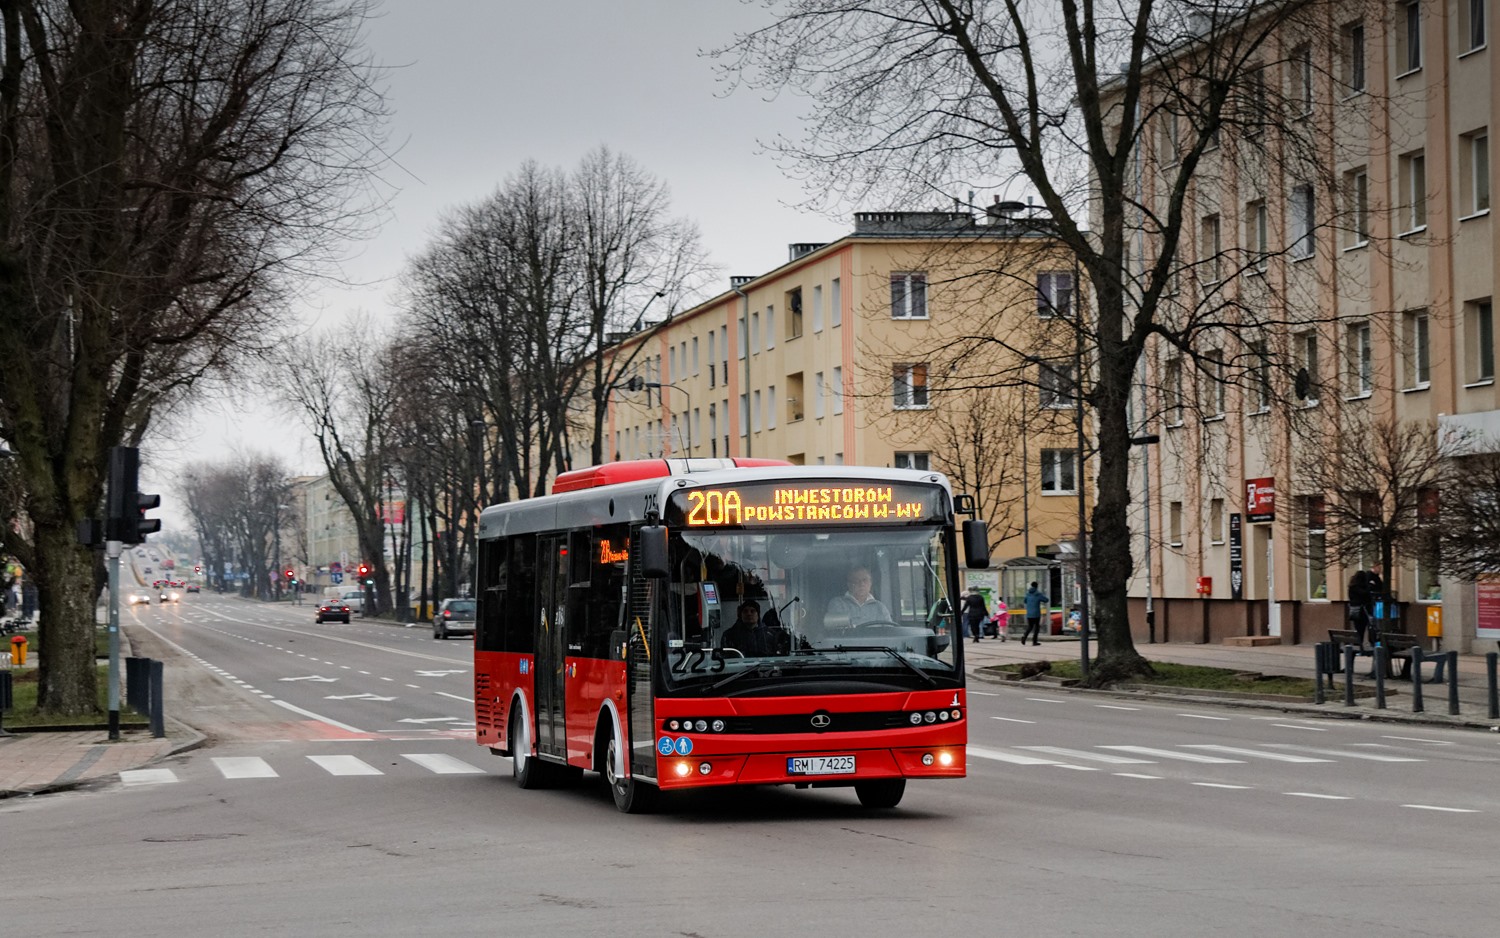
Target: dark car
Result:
[453, 617]
[170, 596]
[192, 587]
[332, 612]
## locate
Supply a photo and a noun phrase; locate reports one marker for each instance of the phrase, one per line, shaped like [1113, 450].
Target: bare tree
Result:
[166, 168]
[1469, 538]
[1382, 479]
[236, 507]
[913, 100]
[347, 397]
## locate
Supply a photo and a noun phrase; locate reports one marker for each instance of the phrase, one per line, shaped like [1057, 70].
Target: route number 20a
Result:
[714, 507]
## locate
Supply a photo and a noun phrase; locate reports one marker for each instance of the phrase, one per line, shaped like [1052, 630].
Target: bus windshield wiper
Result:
[760, 667]
[894, 654]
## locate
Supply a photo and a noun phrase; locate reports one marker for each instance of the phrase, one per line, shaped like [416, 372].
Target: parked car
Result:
[453, 617]
[332, 611]
[138, 598]
[355, 600]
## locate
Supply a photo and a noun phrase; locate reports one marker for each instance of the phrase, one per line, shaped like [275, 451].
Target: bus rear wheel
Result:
[631, 796]
[883, 793]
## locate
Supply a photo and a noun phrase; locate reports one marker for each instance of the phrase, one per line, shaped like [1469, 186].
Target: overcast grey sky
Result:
[477, 87]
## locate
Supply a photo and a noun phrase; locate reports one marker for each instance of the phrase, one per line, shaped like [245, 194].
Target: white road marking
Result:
[439, 673]
[996, 755]
[148, 776]
[357, 697]
[1344, 753]
[1200, 716]
[1170, 754]
[345, 765]
[1076, 768]
[1090, 756]
[442, 764]
[320, 718]
[1138, 775]
[455, 696]
[1418, 739]
[1313, 794]
[1114, 707]
[1012, 720]
[429, 720]
[982, 693]
[1255, 753]
[315, 678]
[244, 767]
[1047, 699]
[1433, 807]
[1310, 729]
[1221, 785]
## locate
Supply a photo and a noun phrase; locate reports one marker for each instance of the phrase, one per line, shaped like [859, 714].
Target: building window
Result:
[1174, 524]
[1357, 193]
[835, 303]
[696, 367]
[1260, 375]
[908, 296]
[1471, 25]
[838, 390]
[1216, 521]
[755, 414]
[1215, 383]
[1413, 193]
[744, 337]
[1255, 111]
[1353, 57]
[770, 407]
[744, 414]
[1257, 233]
[795, 397]
[713, 378]
[909, 386]
[1058, 385]
[818, 308]
[1054, 294]
[1409, 36]
[818, 393]
[1416, 349]
[1172, 381]
[1358, 380]
[1209, 249]
[1479, 342]
[1429, 511]
[1474, 172]
[794, 313]
[1301, 207]
[1167, 142]
[919, 461]
[770, 327]
[1059, 471]
[1302, 80]
[1315, 514]
[1307, 370]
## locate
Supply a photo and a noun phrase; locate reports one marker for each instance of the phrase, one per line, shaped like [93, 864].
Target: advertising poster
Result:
[1487, 606]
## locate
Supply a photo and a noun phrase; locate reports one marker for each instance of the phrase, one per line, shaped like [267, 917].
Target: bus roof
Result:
[629, 499]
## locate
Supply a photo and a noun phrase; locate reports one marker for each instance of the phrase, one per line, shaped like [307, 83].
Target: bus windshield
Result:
[750, 612]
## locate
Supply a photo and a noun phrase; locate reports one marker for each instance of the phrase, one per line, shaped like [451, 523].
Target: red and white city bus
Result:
[604, 639]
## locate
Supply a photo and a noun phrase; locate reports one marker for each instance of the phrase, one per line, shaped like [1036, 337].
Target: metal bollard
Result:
[1416, 679]
[1453, 683]
[158, 718]
[1379, 658]
[1348, 676]
[1490, 669]
[5, 698]
[1320, 664]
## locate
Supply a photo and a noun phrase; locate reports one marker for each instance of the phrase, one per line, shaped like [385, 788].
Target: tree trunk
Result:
[65, 653]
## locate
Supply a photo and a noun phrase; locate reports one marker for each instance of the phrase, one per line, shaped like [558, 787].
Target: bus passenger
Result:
[752, 637]
[857, 606]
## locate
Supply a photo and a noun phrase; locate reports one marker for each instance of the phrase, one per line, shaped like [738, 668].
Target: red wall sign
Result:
[1260, 499]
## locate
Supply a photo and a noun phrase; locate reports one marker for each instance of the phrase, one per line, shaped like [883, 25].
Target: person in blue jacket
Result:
[1036, 607]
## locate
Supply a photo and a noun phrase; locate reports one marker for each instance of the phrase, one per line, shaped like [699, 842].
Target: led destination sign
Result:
[775, 504]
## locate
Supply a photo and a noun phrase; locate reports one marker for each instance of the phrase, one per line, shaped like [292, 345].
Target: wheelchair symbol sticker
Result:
[665, 746]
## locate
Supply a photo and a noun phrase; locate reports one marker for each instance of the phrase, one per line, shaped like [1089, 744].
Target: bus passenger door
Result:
[552, 592]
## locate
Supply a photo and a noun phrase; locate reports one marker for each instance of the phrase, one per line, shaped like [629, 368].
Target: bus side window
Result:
[605, 595]
[518, 611]
[493, 568]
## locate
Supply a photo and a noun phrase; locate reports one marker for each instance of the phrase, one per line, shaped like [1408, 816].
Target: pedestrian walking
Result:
[1036, 607]
[975, 612]
[1361, 609]
[1001, 620]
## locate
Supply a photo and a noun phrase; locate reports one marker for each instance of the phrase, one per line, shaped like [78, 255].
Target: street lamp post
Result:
[636, 384]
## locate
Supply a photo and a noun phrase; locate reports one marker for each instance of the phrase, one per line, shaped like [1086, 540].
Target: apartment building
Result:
[878, 349]
[1348, 245]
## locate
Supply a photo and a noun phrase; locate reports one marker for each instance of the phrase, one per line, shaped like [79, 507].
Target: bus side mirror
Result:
[654, 552]
[976, 545]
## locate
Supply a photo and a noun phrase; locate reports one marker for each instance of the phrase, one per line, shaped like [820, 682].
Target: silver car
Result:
[453, 617]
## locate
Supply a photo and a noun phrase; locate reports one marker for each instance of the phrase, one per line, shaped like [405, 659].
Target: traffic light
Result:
[364, 574]
[125, 508]
[197, 568]
[289, 575]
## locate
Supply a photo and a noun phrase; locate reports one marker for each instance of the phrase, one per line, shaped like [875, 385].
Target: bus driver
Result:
[857, 606]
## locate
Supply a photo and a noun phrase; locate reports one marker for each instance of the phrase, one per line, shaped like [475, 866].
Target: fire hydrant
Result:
[18, 650]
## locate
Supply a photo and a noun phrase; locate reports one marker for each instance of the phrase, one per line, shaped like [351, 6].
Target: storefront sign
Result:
[1487, 606]
[1236, 557]
[1260, 500]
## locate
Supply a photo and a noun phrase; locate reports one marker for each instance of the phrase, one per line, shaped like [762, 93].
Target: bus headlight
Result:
[704, 768]
[916, 718]
[927, 758]
[684, 770]
[945, 758]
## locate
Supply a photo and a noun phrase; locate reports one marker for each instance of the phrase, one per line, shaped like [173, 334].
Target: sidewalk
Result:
[1288, 660]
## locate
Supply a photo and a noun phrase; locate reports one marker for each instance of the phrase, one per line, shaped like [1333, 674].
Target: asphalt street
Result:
[341, 794]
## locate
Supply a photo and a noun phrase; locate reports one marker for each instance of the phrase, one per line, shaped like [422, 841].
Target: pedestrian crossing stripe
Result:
[243, 767]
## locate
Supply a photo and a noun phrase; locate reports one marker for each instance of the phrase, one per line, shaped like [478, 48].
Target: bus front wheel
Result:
[631, 796]
[525, 769]
[883, 793]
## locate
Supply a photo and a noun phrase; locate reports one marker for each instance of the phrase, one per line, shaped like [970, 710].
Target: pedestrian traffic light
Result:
[289, 575]
[125, 508]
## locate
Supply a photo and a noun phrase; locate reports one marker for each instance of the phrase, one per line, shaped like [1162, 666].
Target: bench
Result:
[1337, 639]
[1399, 647]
